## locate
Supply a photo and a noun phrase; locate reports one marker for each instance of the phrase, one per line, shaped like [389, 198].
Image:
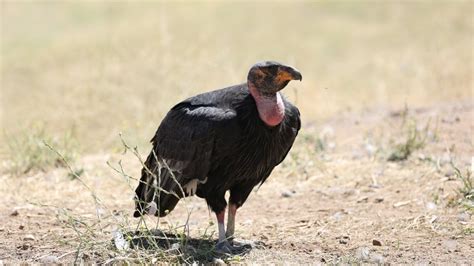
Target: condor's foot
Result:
[225, 247]
[245, 244]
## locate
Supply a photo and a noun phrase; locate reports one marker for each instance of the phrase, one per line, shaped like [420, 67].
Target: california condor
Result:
[224, 140]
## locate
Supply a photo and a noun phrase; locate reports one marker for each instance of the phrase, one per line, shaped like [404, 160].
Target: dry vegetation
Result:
[380, 173]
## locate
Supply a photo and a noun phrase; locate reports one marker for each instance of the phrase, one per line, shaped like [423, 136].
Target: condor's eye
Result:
[272, 70]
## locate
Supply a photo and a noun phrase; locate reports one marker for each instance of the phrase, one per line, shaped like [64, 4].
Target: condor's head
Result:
[269, 77]
[264, 81]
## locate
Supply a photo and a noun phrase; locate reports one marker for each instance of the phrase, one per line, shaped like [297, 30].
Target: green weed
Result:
[413, 138]
[467, 188]
[27, 151]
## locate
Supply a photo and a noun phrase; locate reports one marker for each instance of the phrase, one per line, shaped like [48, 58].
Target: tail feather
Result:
[158, 184]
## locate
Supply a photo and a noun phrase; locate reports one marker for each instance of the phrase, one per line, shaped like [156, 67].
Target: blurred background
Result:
[83, 72]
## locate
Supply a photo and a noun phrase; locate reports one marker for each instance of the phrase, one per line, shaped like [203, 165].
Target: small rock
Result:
[464, 217]
[375, 186]
[175, 246]
[344, 240]
[29, 238]
[218, 261]
[376, 242]
[119, 240]
[331, 145]
[378, 200]
[370, 149]
[337, 216]
[450, 244]
[401, 203]
[362, 253]
[449, 173]
[363, 199]
[431, 206]
[287, 194]
[24, 246]
[21, 227]
[14, 213]
[49, 259]
[377, 258]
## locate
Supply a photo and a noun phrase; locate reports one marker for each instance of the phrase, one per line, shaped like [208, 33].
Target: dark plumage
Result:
[223, 140]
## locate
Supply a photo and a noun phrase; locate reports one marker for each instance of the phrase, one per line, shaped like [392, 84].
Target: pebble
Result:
[377, 258]
[287, 194]
[29, 238]
[25, 246]
[378, 200]
[376, 242]
[49, 259]
[21, 227]
[344, 240]
[119, 240]
[14, 213]
[175, 246]
[464, 217]
[363, 199]
[218, 261]
[431, 206]
[449, 173]
[401, 203]
[362, 253]
[337, 216]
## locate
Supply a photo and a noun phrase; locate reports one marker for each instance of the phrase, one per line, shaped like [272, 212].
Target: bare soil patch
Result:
[335, 199]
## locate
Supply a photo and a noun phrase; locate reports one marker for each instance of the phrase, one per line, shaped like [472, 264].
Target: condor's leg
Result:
[220, 226]
[218, 205]
[238, 195]
[231, 222]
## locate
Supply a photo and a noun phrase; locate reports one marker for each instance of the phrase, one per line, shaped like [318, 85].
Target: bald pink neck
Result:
[270, 107]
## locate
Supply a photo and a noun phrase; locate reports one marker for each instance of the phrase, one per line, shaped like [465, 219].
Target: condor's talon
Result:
[225, 247]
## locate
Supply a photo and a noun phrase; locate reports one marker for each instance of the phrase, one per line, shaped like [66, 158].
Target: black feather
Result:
[217, 135]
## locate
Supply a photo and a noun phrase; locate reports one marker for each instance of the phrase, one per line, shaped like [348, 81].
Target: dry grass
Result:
[412, 137]
[97, 69]
[340, 200]
[28, 150]
[467, 188]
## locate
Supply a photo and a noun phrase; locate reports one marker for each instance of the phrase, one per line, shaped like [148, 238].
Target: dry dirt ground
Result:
[335, 199]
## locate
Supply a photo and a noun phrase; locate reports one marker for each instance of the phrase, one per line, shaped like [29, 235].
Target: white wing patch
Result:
[191, 186]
